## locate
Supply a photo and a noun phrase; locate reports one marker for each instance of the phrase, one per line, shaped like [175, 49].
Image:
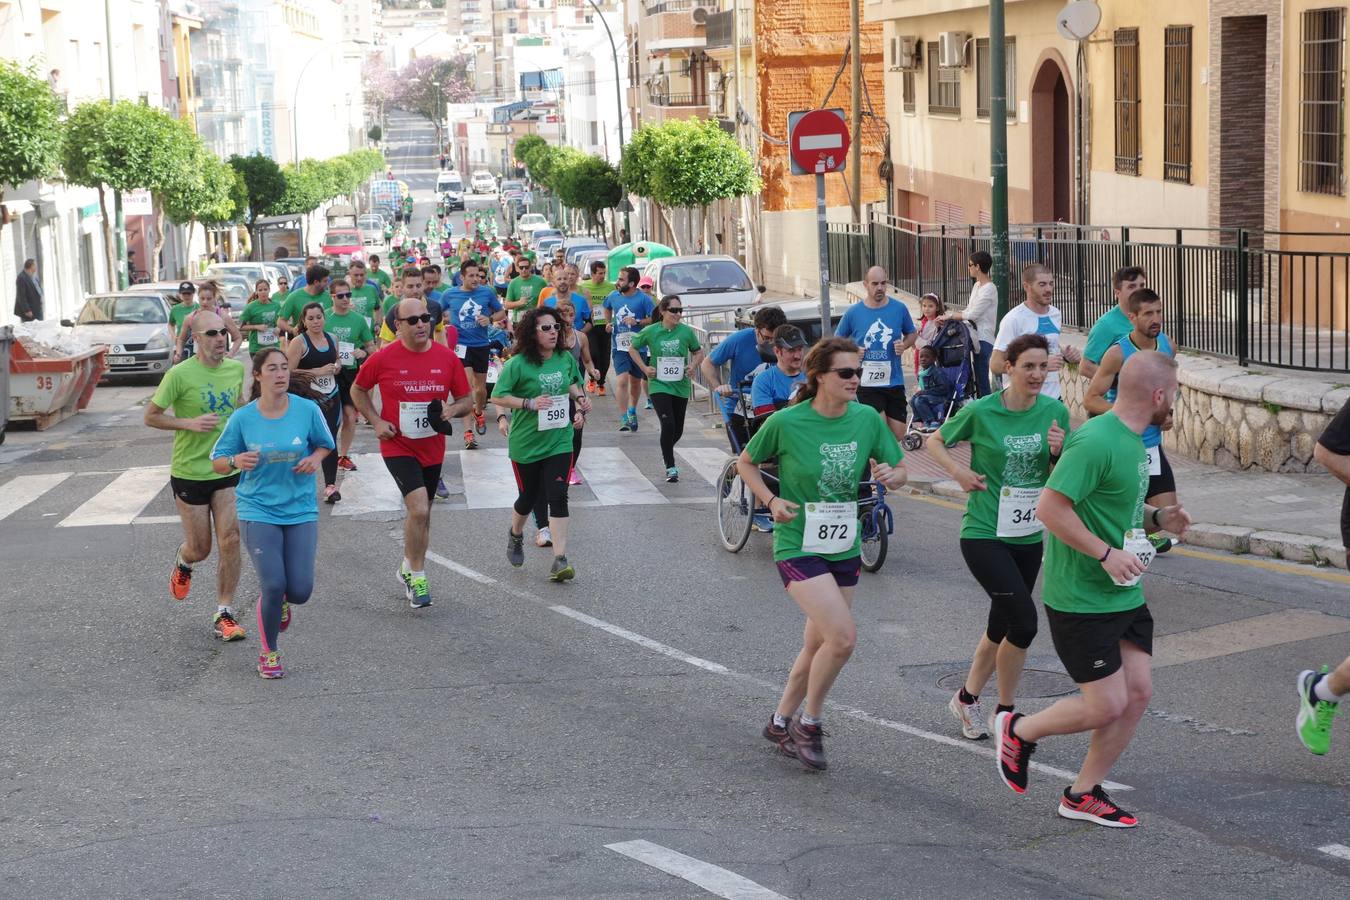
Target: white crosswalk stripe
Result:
[486, 481]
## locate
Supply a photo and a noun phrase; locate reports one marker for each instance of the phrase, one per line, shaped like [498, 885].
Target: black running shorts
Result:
[198, 493]
[410, 475]
[1088, 644]
[889, 401]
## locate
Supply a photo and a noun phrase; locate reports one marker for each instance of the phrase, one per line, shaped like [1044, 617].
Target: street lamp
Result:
[618, 96]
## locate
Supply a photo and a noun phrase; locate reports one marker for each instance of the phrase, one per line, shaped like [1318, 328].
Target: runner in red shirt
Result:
[416, 376]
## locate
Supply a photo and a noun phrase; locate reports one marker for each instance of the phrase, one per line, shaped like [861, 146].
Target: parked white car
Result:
[483, 183]
[530, 222]
[703, 281]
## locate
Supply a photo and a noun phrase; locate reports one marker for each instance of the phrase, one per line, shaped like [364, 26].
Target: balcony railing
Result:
[665, 6]
[722, 32]
[666, 99]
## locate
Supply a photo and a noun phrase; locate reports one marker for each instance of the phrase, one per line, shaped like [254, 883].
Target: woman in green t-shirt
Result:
[537, 383]
[1015, 437]
[675, 352]
[824, 443]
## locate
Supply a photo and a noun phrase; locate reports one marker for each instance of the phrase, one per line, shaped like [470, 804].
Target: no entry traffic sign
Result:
[818, 141]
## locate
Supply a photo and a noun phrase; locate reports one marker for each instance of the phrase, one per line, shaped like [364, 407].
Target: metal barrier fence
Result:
[1226, 292]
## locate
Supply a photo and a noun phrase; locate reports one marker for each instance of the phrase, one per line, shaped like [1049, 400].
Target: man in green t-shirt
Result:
[1115, 323]
[355, 341]
[523, 291]
[365, 296]
[187, 305]
[379, 275]
[1096, 551]
[314, 291]
[259, 320]
[596, 289]
[202, 391]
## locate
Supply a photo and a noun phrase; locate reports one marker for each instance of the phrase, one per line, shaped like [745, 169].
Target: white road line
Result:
[713, 879]
[121, 501]
[18, 492]
[615, 479]
[852, 712]
[708, 462]
[1340, 851]
[489, 482]
[158, 520]
[369, 489]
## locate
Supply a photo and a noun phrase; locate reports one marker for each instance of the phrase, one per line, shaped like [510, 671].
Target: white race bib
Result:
[830, 527]
[876, 373]
[1017, 512]
[1137, 542]
[413, 421]
[555, 416]
[461, 350]
[1154, 460]
[493, 372]
[345, 351]
[267, 338]
[670, 368]
[623, 340]
[325, 384]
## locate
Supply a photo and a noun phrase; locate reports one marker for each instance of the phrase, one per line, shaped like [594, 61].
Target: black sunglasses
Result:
[213, 332]
[413, 320]
[677, 310]
[848, 374]
[342, 296]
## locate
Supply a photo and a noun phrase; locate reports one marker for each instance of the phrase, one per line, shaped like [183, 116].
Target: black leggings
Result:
[544, 479]
[541, 501]
[670, 411]
[332, 415]
[599, 339]
[1007, 572]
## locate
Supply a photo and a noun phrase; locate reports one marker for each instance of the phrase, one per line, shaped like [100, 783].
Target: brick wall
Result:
[798, 47]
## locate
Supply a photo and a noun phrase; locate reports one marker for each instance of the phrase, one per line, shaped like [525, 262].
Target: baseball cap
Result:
[187, 287]
[788, 337]
[645, 281]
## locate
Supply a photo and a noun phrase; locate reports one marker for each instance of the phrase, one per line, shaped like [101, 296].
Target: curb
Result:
[1236, 539]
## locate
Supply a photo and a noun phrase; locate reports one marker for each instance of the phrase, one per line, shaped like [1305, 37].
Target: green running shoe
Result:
[1314, 715]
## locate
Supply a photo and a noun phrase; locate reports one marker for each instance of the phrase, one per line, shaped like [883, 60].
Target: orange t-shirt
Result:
[544, 295]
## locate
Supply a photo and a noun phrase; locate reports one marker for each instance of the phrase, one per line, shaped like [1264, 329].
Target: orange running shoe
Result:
[600, 389]
[590, 386]
[180, 579]
[226, 628]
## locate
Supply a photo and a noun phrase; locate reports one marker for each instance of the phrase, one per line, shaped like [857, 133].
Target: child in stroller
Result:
[946, 369]
[935, 392]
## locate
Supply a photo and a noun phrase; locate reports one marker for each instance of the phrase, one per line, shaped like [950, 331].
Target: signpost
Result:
[818, 142]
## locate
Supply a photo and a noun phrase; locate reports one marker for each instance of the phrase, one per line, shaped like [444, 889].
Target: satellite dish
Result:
[1078, 20]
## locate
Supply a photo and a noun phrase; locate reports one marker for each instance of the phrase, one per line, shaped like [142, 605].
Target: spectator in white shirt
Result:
[980, 314]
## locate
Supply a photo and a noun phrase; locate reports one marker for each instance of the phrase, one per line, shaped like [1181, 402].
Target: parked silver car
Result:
[136, 328]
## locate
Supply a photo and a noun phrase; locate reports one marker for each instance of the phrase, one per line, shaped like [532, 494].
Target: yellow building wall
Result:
[1301, 210]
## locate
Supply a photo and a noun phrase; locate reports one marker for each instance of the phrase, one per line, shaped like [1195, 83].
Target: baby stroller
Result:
[954, 356]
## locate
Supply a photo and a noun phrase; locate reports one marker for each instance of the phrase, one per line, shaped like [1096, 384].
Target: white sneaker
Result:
[971, 717]
[544, 538]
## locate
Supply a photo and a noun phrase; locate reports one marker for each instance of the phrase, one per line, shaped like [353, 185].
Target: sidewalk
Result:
[1285, 516]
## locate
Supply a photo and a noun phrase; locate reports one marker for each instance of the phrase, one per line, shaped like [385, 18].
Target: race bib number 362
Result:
[670, 368]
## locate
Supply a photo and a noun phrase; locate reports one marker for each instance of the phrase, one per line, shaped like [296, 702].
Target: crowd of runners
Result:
[417, 349]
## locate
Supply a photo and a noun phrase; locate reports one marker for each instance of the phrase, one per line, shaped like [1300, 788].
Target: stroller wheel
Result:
[913, 441]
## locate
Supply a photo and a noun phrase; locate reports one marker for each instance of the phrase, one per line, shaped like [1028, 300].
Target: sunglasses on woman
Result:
[547, 327]
[677, 310]
[848, 374]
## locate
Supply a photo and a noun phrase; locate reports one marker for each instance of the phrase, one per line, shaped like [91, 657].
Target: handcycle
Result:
[737, 506]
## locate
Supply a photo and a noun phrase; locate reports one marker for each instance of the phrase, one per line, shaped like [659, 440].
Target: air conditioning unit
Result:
[699, 14]
[952, 49]
[907, 52]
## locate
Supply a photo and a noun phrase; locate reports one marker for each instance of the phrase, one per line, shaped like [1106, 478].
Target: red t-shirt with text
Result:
[407, 382]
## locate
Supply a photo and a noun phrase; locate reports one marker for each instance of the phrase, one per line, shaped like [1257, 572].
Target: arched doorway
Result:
[1051, 145]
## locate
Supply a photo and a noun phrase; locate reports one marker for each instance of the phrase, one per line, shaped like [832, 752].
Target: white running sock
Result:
[1322, 690]
[809, 720]
[224, 609]
[780, 720]
[421, 574]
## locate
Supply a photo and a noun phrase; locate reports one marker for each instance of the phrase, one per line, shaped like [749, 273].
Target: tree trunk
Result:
[670, 228]
[154, 268]
[109, 245]
[187, 245]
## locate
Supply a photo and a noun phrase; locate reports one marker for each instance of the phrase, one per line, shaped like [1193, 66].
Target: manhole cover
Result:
[1034, 683]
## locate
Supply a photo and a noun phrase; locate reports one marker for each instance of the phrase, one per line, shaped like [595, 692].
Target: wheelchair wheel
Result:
[913, 441]
[735, 508]
[874, 540]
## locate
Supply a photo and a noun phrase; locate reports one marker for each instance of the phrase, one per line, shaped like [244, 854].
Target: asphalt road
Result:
[496, 744]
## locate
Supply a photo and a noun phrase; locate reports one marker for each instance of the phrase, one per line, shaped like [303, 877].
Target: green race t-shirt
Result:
[526, 289]
[595, 294]
[259, 313]
[296, 300]
[179, 312]
[349, 328]
[191, 389]
[670, 349]
[1007, 448]
[1107, 330]
[820, 460]
[521, 378]
[382, 277]
[365, 301]
[1103, 469]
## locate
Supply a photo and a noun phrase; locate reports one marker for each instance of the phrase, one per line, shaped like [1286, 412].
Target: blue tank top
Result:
[1153, 434]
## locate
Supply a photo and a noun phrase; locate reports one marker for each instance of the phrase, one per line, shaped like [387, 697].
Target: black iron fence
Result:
[1226, 291]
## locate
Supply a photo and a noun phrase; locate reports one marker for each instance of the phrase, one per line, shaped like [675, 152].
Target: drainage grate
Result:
[1034, 683]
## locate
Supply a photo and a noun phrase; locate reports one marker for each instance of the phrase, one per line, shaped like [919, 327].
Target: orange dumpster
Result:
[45, 390]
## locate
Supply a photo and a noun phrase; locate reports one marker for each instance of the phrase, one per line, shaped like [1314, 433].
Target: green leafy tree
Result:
[639, 158]
[526, 145]
[375, 133]
[264, 183]
[213, 195]
[591, 184]
[306, 186]
[30, 127]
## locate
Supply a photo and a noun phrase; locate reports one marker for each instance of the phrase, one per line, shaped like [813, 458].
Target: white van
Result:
[450, 186]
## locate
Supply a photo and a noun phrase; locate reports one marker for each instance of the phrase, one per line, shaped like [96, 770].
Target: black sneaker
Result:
[1095, 807]
[515, 548]
[1014, 755]
[780, 737]
[807, 738]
